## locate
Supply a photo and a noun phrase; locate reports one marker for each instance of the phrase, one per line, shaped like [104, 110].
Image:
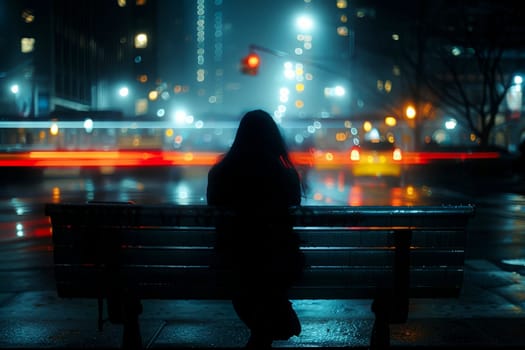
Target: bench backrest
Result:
[166, 251]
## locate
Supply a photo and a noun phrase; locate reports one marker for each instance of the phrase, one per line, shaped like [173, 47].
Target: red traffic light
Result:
[252, 61]
[250, 64]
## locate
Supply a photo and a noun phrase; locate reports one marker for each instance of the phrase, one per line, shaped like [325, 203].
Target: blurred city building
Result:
[335, 62]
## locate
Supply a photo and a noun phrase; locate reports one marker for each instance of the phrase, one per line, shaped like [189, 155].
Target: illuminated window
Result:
[141, 41]
[27, 45]
[365, 12]
[388, 86]
[342, 4]
[141, 106]
[200, 75]
[342, 31]
[28, 16]
[396, 70]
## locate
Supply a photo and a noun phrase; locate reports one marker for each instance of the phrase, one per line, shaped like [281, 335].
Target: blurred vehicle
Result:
[376, 159]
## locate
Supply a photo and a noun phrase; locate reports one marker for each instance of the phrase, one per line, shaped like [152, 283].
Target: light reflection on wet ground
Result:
[22, 202]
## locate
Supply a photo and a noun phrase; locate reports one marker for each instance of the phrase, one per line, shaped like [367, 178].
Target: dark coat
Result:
[259, 243]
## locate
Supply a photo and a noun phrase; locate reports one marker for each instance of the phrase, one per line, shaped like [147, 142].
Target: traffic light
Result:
[250, 64]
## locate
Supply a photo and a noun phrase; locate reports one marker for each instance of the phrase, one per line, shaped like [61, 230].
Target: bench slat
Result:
[176, 283]
[201, 215]
[205, 237]
[191, 256]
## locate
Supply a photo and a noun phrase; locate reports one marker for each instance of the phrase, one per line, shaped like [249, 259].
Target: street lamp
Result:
[410, 112]
[15, 89]
[304, 23]
[123, 91]
[451, 124]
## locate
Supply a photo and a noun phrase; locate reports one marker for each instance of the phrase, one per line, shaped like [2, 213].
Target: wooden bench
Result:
[129, 252]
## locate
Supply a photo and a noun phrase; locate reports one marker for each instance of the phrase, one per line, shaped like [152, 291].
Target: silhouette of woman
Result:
[257, 180]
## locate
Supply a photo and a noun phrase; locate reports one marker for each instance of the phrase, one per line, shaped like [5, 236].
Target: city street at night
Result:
[374, 149]
[489, 312]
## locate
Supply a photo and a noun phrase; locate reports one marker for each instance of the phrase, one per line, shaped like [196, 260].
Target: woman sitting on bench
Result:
[256, 176]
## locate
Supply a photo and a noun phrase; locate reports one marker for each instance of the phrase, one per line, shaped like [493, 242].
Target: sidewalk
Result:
[490, 313]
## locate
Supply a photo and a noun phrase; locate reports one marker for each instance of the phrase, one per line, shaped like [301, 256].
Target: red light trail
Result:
[137, 158]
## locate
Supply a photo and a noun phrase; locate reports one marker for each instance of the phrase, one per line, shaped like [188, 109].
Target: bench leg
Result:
[131, 338]
[391, 306]
[380, 337]
[100, 313]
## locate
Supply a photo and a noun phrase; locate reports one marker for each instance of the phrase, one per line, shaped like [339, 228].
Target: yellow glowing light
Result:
[54, 129]
[410, 112]
[28, 16]
[354, 155]
[388, 85]
[342, 4]
[299, 87]
[390, 121]
[188, 157]
[56, 194]
[397, 154]
[153, 95]
[342, 31]
[141, 41]
[367, 126]
[341, 136]
[27, 45]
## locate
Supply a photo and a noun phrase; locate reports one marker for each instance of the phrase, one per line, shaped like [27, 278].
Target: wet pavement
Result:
[490, 313]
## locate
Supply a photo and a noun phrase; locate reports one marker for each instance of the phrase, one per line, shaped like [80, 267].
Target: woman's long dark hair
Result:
[259, 136]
